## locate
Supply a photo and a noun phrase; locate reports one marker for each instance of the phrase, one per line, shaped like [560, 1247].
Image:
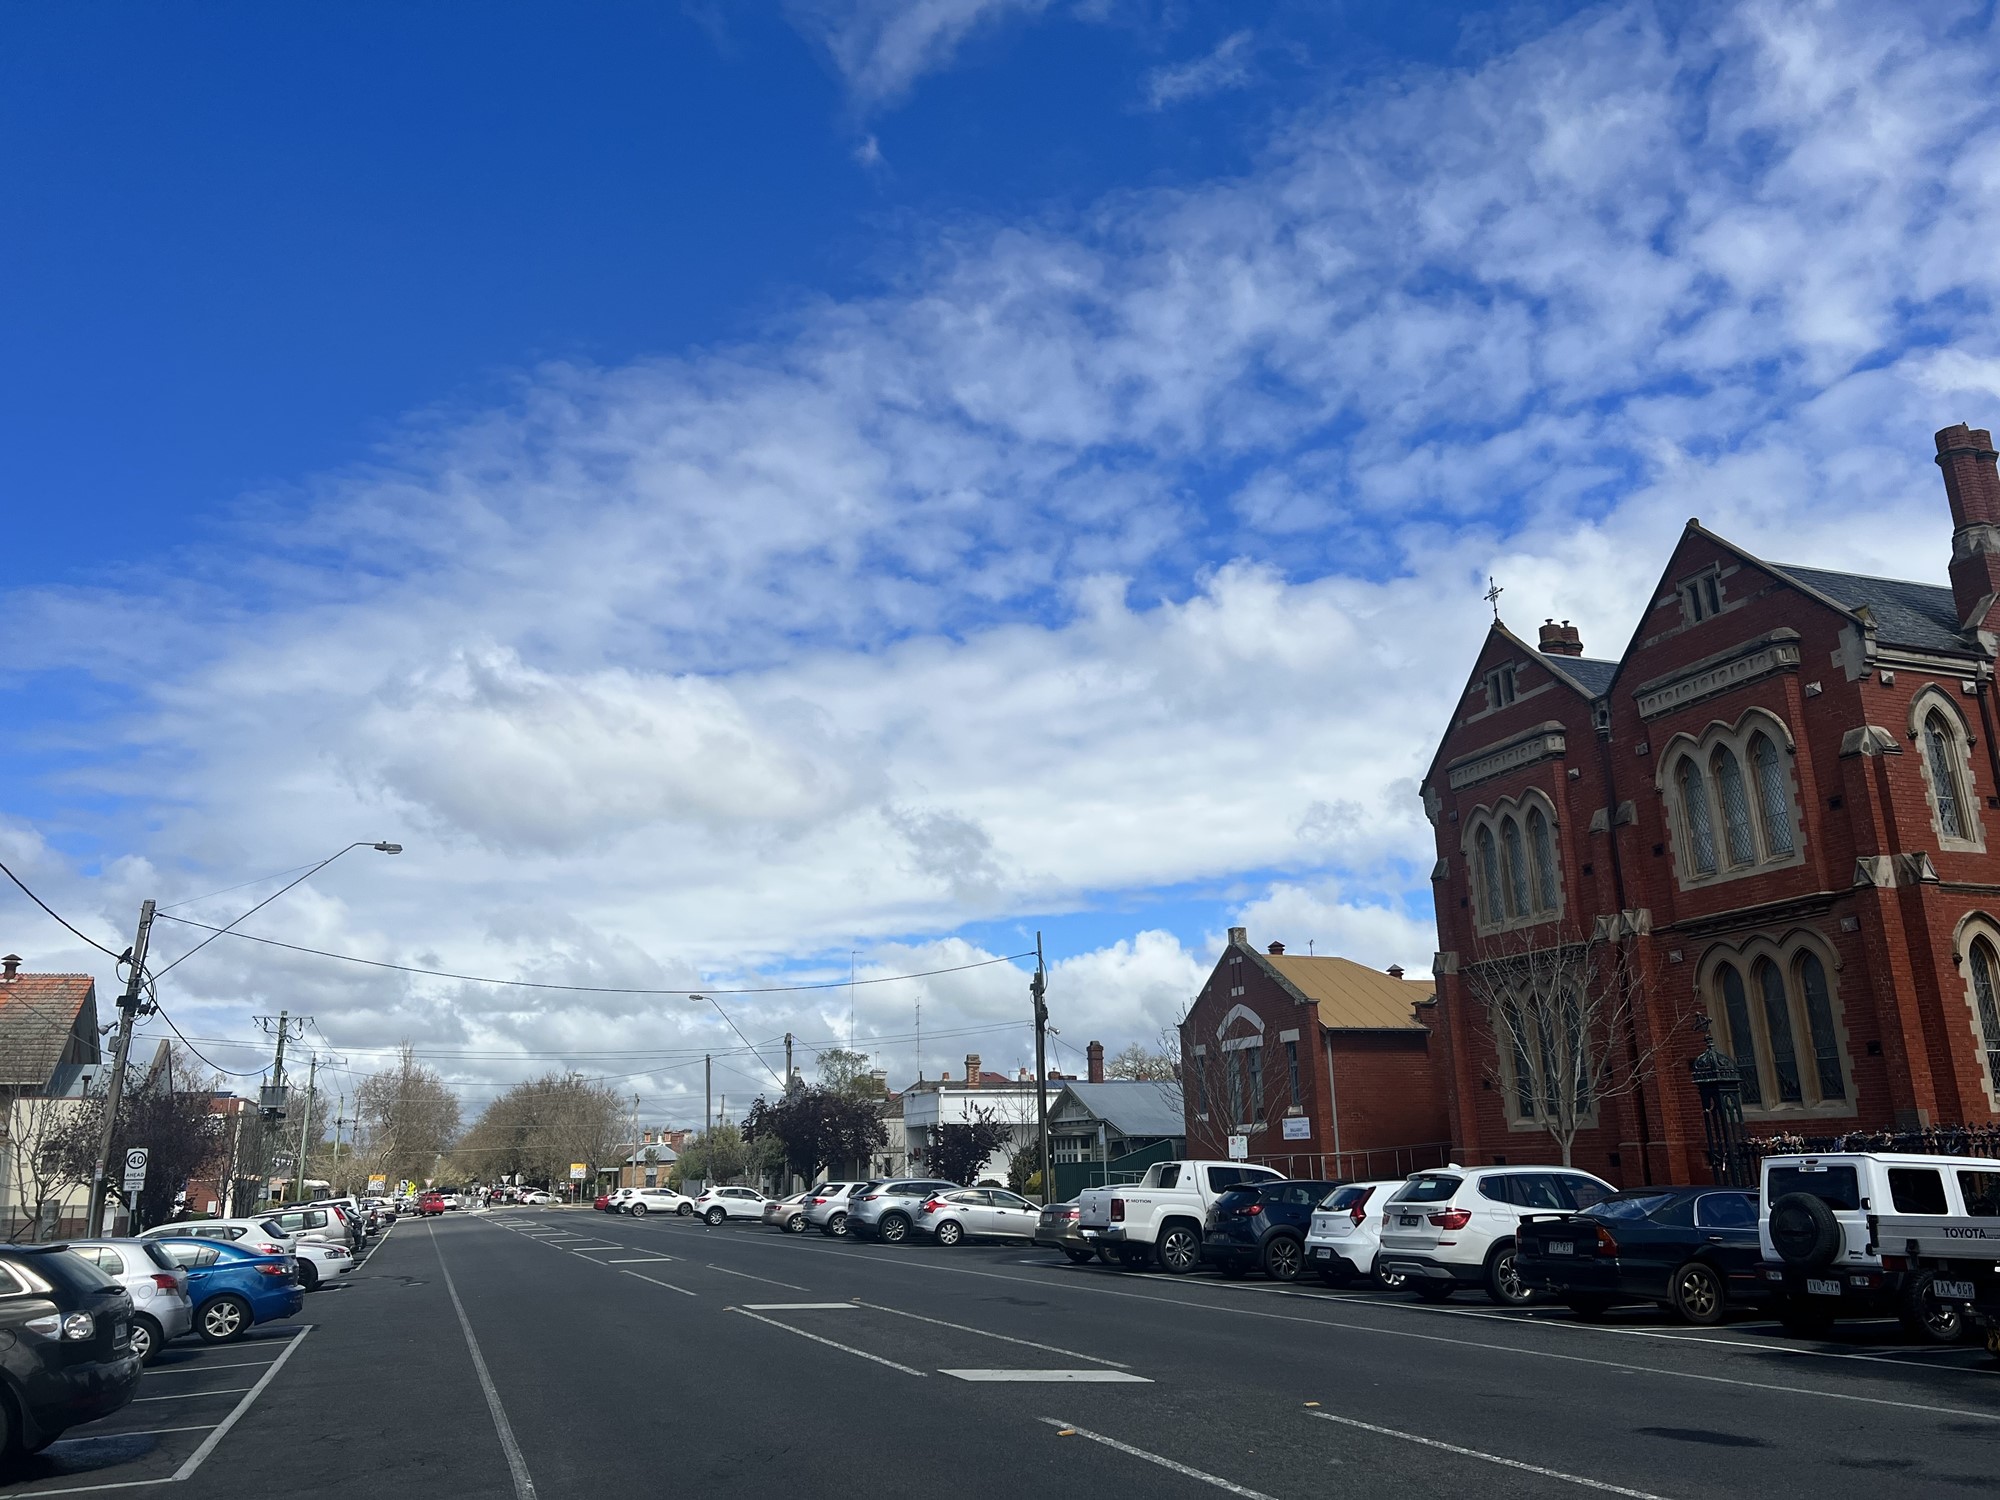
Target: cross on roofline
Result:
[1492, 597]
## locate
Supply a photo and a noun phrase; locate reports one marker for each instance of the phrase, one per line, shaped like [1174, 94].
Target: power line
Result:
[115, 958]
[535, 984]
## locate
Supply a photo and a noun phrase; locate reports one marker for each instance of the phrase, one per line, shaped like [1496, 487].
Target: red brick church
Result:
[1778, 807]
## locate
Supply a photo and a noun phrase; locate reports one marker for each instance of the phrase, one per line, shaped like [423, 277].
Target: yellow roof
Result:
[1352, 996]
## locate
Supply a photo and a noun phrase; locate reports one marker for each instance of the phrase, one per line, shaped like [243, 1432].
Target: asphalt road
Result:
[564, 1353]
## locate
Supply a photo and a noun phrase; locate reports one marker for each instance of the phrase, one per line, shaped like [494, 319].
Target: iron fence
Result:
[1935, 1140]
[1384, 1162]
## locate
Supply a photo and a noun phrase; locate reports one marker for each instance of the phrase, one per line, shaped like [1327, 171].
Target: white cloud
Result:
[1225, 66]
[881, 47]
[1096, 558]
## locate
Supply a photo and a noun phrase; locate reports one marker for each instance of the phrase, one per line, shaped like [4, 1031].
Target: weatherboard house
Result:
[1781, 805]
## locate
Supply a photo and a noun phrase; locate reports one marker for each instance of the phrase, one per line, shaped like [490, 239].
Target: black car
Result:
[1693, 1250]
[1262, 1226]
[66, 1356]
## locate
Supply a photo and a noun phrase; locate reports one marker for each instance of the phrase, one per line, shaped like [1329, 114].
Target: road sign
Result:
[1239, 1148]
[377, 1186]
[135, 1168]
[576, 1171]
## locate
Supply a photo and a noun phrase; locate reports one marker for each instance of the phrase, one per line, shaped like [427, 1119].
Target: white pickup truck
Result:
[1961, 1255]
[1159, 1218]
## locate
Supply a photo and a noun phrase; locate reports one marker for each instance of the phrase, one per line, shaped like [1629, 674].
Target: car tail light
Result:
[1072, 1213]
[818, 1201]
[274, 1271]
[1452, 1218]
[1357, 1211]
[1607, 1244]
[1117, 1209]
[931, 1205]
[1255, 1208]
[1895, 1263]
[164, 1282]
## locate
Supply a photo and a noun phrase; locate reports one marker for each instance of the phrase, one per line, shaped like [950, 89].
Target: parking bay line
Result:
[235, 1390]
[248, 1364]
[656, 1282]
[801, 1306]
[789, 1286]
[641, 1260]
[1116, 1364]
[843, 1348]
[1491, 1458]
[1049, 1377]
[1070, 1428]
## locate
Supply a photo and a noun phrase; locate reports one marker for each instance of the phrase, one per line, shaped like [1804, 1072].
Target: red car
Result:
[603, 1202]
[430, 1203]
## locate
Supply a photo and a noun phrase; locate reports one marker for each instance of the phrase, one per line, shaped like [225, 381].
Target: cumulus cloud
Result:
[1098, 557]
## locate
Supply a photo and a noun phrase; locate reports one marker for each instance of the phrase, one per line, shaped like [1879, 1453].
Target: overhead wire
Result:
[60, 921]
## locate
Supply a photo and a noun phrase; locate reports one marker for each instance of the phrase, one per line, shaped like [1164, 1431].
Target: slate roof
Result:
[1132, 1107]
[1351, 996]
[38, 1017]
[1919, 615]
[1594, 675]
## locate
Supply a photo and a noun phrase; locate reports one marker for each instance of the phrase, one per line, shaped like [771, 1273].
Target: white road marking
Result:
[657, 1282]
[843, 1348]
[194, 1460]
[1004, 1338]
[1491, 1458]
[1154, 1458]
[234, 1390]
[800, 1306]
[111, 1437]
[1050, 1377]
[642, 1260]
[789, 1286]
[524, 1487]
[248, 1364]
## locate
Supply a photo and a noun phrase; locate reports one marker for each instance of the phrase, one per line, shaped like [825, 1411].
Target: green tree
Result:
[819, 1127]
[716, 1155]
[957, 1152]
[848, 1073]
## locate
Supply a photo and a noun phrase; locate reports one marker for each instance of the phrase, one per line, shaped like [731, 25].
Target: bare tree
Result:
[43, 1162]
[1141, 1062]
[1560, 1012]
[406, 1117]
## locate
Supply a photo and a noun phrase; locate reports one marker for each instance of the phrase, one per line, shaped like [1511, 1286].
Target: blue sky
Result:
[734, 485]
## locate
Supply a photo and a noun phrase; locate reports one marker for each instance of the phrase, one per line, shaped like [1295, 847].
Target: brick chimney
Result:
[1972, 485]
[1094, 1053]
[972, 1070]
[1395, 971]
[1561, 640]
[1238, 937]
[9, 967]
[1276, 949]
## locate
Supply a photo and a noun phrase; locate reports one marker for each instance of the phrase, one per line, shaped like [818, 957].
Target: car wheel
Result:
[950, 1232]
[1179, 1250]
[1284, 1258]
[1434, 1289]
[1810, 1320]
[147, 1337]
[796, 1224]
[894, 1228]
[1503, 1280]
[1699, 1294]
[637, 1210]
[1390, 1281]
[308, 1275]
[836, 1226]
[1079, 1257]
[714, 1217]
[223, 1320]
[1928, 1319]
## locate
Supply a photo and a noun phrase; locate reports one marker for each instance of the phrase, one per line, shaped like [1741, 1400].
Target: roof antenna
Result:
[1492, 596]
[1309, 947]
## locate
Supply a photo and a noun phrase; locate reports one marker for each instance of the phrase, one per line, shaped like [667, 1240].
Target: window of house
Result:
[1702, 598]
[1500, 687]
[1947, 790]
[1490, 905]
[1774, 805]
[1732, 820]
[1292, 1067]
[1819, 1025]
[1737, 837]
[1253, 1062]
[1694, 814]
[1514, 864]
[1517, 867]
[1543, 847]
[1232, 1071]
[1986, 1003]
[1200, 1088]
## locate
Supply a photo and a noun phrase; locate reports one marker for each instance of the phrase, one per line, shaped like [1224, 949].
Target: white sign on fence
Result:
[1239, 1148]
[135, 1168]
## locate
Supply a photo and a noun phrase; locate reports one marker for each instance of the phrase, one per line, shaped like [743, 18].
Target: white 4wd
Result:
[1454, 1227]
[1814, 1232]
[1160, 1216]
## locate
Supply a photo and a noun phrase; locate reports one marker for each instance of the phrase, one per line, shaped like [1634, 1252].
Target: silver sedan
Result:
[951, 1217]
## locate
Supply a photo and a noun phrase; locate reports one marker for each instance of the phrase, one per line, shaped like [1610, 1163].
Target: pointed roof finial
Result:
[1492, 597]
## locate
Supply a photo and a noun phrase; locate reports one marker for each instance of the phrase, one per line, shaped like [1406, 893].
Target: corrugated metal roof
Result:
[1352, 996]
[1133, 1107]
[38, 1018]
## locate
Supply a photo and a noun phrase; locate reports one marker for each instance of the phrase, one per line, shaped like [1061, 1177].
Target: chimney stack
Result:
[1395, 971]
[1972, 485]
[1095, 1055]
[972, 1070]
[1276, 949]
[1237, 937]
[9, 967]
[1561, 640]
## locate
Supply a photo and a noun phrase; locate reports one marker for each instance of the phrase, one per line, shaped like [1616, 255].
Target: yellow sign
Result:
[576, 1171]
[377, 1186]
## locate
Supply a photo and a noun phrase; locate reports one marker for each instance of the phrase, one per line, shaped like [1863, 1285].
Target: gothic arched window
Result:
[1742, 1040]
[1543, 848]
[1774, 804]
[1941, 750]
[1728, 773]
[1778, 1027]
[1517, 867]
[1985, 970]
[1490, 906]
[1695, 815]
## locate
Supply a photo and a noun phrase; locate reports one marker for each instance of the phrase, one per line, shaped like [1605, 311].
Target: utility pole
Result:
[707, 1093]
[788, 1062]
[339, 1119]
[271, 1107]
[305, 1122]
[114, 1093]
[1038, 988]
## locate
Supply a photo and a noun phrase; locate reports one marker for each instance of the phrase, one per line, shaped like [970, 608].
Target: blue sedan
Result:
[234, 1289]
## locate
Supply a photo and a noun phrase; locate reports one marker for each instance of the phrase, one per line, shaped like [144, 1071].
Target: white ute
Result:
[1159, 1218]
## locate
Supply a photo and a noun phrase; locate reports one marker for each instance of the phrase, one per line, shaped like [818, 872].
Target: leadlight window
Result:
[1694, 808]
[1543, 846]
[1489, 878]
[1819, 1022]
[1778, 1026]
[1517, 867]
[1984, 967]
[1941, 748]
[1742, 1040]
[1738, 839]
[1774, 805]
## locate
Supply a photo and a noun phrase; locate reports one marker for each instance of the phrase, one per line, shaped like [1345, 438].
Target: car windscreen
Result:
[1431, 1187]
[1637, 1207]
[1837, 1187]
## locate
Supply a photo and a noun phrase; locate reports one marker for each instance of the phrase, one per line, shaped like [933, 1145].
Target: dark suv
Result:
[1262, 1226]
[67, 1355]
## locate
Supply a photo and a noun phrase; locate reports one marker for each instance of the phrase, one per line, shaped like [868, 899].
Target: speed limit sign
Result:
[135, 1168]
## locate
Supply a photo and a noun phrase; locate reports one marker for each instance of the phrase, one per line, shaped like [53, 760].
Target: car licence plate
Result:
[1321, 1252]
[1562, 1247]
[1823, 1288]
[1952, 1291]
[1409, 1221]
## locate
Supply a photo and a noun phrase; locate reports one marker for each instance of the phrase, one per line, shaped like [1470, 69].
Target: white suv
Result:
[1454, 1227]
[655, 1200]
[720, 1203]
[1346, 1233]
[1813, 1230]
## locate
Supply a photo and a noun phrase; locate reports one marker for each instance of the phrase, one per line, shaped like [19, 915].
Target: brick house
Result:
[1328, 1066]
[1779, 806]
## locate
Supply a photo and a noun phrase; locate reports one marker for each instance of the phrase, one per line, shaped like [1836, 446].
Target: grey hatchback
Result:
[886, 1210]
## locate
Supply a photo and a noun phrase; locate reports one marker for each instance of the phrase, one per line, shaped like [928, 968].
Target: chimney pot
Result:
[972, 1070]
[1094, 1055]
[1237, 936]
[1561, 640]
[1275, 949]
[1395, 971]
[1972, 487]
[10, 966]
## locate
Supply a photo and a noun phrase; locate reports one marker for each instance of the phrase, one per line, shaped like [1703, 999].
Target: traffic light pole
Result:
[114, 1093]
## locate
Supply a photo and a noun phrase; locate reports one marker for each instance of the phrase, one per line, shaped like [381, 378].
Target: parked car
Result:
[1693, 1250]
[319, 1262]
[886, 1210]
[976, 1213]
[66, 1354]
[264, 1236]
[614, 1201]
[323, 1224]
[719, 1203]
[429, 1203]
[1346, 1234]
[538, 1195]
[1262, 1226]
[161, 1308]
[1057, 1227]
[234, 1289]
[1820, 1255]
[1453, 1228]
[645, 1201]
[1960, 1251]
[788, 1214]
[826, 1206]
[318, 1246]
[1160, 1217]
